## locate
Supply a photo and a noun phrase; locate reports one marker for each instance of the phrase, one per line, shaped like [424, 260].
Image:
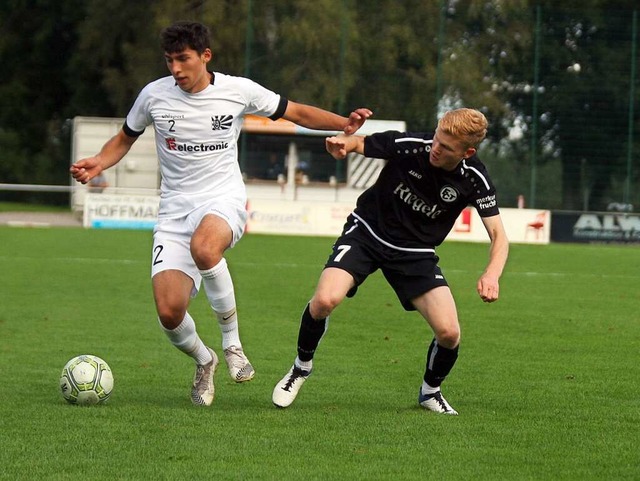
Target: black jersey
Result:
[413, 205]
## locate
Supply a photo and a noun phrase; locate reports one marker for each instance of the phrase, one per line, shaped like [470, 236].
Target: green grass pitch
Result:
[547, 383]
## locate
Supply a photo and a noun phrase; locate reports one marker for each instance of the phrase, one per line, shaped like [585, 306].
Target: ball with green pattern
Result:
[86, 380]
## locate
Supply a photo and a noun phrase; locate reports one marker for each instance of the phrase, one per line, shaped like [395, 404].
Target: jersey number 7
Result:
[343, 249]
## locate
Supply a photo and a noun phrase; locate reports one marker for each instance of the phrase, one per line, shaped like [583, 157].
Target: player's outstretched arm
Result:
[356, 119]
[341, 145]
[111, 153]
[319, 119]
[488, 285]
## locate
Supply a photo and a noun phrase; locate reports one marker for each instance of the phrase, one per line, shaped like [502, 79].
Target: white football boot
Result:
[240, 369]
[287, 389]
[436, 402]
[203, 390]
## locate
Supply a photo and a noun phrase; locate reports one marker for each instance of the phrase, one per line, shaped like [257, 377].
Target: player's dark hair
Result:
[183, 35]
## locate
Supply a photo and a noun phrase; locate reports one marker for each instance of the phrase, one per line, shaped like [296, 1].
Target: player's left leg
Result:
[208, 243]
[438, 307]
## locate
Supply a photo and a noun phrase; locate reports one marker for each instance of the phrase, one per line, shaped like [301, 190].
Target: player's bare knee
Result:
[204, 256]
[448, 338]
[321, 306]
[170, 316]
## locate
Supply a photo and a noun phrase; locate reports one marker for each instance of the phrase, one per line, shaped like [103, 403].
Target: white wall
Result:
[136, 173]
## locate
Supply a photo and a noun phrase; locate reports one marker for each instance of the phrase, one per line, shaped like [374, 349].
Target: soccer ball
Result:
[86, 380]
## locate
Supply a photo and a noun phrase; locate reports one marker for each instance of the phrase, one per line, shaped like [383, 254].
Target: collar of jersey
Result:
[213, 78]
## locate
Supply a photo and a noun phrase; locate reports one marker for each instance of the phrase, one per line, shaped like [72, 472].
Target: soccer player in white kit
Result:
[197, 117]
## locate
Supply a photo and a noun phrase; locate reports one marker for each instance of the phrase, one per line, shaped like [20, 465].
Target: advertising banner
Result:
[298, 218]
[109, 211]
[595, 227]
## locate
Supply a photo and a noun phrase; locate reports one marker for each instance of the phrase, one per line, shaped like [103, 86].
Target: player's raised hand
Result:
[356, 119]
[341, 145]
[86, 169]
[336, 146]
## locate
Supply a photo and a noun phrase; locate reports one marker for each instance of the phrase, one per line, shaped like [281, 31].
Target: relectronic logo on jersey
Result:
[221, 122]
[173, 145]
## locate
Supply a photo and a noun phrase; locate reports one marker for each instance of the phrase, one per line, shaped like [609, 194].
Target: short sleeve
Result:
[260, 100]
[139, 116]
[381, 145]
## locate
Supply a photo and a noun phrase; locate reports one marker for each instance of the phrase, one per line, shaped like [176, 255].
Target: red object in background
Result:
[537, 226]
[463, 224]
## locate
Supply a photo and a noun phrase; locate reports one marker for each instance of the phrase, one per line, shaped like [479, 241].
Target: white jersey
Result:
[196, 137]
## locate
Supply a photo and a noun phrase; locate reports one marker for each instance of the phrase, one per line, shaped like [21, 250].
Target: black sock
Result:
[440, 361]
[311, 331]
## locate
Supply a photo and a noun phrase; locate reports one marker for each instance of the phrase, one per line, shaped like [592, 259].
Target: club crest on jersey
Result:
[221, 122]
[448, 194]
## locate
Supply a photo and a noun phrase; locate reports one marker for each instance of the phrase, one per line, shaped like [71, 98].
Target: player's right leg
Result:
[352, 259]
[171, 290]
[331, 290]
[174, 283]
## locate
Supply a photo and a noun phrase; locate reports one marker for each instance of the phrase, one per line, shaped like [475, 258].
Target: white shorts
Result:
[172, 238]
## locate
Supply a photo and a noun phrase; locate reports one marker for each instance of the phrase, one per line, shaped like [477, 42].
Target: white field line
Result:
[293, 265]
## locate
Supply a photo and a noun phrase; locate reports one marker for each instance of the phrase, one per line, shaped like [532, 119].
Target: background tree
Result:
[583, 97]
[302, 50]
[37, 39]
[398, 55]
[586, 78]
[405, 60]
[116, 55]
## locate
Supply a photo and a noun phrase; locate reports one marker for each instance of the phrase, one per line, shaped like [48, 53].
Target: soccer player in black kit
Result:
[429, 178]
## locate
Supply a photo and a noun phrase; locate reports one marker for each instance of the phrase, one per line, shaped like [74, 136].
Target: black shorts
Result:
[409, 273]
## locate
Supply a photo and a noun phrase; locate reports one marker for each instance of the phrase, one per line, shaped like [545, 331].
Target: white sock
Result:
[229, 329]
[304, 365]
[426, 389]
[185, 338]
[218, 287]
